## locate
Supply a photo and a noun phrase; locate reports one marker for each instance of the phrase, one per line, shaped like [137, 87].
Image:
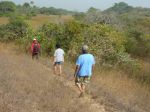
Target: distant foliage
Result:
[7, 8]
[120, 8]
[53, 11]
[134, 22]
[79, 16]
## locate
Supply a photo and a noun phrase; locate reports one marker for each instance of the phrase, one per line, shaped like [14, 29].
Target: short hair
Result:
[58, 45]
[84, 49]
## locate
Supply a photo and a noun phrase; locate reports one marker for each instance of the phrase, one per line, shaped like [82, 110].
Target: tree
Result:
[32, 4]
[120, 8]
[26, 5]
[92, 9]
[7, 7]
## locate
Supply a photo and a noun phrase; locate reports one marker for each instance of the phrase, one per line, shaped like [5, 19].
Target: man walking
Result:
[84, 68]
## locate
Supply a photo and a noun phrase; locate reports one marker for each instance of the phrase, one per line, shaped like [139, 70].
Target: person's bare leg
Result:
[83, 88]
[37, 56]
[79, 87]
[60, 69]
[33, 56]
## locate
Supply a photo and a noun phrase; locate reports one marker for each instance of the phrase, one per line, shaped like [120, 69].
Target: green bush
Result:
[138, 43]
[129, 65]
[68, 35]
[15, 29]
[49, 34]
[104, 43]
[107, 44]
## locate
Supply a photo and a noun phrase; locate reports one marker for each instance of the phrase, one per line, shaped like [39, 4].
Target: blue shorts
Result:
[58, 63]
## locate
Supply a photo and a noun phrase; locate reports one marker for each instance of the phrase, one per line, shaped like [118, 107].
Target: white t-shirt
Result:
[59, 55]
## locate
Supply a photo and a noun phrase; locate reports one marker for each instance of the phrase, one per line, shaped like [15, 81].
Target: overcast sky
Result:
[83, 5]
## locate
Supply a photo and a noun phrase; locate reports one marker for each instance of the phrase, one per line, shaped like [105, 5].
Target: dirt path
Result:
[31, 86]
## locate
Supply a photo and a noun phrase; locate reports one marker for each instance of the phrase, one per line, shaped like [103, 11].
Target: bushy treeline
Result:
[7, 8]
[134, 22]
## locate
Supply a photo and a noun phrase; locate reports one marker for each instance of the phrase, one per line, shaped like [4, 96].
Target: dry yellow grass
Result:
[33, 90]
[39, 20]
[123, 93]
[117, 91]
[3, 20]
[29, 86]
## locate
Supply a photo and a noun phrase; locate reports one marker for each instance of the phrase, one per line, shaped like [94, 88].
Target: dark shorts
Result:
[82, 79]
[58, 63]
[35, 55]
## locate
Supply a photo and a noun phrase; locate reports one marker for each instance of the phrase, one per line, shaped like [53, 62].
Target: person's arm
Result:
[63, 56]
[76, 70]
[39, 47]
[78, 63]
[32, 45]
[93, 64]
[54, 59]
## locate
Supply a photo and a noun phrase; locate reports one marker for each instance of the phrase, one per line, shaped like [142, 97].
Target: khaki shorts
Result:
[82, 79]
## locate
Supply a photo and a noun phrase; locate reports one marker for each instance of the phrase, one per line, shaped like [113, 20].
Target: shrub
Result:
[50, 32]
[68, 35]
[104, 43]
[15, 29]
[138, 43]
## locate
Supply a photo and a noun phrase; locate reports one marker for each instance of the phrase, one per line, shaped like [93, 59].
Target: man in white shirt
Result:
[58, 59]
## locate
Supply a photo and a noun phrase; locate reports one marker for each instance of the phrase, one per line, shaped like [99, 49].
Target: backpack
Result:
[35, 48]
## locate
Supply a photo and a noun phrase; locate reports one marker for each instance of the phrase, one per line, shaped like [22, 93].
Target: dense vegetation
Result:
[29, 9]
[134, 22]
[114, 35]
[7, 8]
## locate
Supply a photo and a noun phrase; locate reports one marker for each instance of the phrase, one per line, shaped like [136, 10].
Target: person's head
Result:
[84, 49]
[34, 40]
[58, 45]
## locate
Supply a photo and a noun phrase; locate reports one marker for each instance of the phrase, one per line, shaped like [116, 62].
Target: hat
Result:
[84, 47]
[34, 39]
